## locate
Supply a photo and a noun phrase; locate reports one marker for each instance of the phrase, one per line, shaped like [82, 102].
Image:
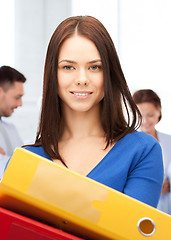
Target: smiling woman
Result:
[83, 124]
[149, 105]
[80, 77]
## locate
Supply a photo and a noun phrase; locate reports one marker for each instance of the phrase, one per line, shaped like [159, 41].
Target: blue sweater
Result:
[133, 166]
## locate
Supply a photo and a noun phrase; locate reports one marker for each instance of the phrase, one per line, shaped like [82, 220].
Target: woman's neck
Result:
[154, 134]
[82, 124]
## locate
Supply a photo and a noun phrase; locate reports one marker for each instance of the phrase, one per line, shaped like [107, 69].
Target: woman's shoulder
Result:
[143, 148]
[140, 142]
[165, 141]
[37, 150]
[141, 138]
[137, 143]
[164, 136]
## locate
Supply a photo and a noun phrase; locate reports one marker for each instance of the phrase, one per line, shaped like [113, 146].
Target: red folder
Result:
[17, 227]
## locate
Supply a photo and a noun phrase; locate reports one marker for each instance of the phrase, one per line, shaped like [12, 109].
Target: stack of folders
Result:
[39, 189]
[17, 227]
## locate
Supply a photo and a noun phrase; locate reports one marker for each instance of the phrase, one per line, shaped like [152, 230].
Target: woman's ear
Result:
[160, 114]
[1, 90]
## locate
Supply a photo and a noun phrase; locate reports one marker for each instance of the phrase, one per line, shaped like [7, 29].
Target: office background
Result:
[140, 30]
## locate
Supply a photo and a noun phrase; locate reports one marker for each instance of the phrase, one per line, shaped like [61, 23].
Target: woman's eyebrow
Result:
[71, 61]
[96, 60]
[66, 60]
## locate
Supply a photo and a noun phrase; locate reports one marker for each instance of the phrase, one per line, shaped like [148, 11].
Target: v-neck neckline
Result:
[103, 159]
[99, 163]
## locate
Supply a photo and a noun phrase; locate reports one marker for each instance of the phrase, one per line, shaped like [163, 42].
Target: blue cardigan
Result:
[134, 166]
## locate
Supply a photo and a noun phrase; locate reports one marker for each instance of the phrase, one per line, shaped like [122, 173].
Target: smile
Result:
[81, 93]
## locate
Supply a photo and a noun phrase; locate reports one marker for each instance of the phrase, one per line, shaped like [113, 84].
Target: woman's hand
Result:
[2, 151]
[166, 186]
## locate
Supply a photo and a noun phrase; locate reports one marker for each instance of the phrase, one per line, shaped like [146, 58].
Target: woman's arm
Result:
[145, 180]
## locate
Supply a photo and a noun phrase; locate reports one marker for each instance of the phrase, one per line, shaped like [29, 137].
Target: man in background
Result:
[11, 92]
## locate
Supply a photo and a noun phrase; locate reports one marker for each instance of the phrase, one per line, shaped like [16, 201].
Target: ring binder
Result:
[40, 189]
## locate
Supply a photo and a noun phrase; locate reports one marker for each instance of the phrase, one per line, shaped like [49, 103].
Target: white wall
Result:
[7, 25]
[106, 11]
[145, 49]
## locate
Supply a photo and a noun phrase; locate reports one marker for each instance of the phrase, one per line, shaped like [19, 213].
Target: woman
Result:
[149, 105]
[83, 124]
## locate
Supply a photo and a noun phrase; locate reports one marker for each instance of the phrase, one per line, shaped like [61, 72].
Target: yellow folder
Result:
[40, 189]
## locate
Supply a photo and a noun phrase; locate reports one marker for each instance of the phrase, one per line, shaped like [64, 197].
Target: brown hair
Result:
[116, 92]
[8, 76]
[148, 96]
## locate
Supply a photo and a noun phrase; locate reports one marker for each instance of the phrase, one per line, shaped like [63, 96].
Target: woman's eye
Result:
[68, 67]
[95, 67]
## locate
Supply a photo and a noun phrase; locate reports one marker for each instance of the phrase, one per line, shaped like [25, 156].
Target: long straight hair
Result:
[117, 103]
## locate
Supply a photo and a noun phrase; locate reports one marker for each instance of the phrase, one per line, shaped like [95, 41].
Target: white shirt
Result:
[165, 142]
[15, 141]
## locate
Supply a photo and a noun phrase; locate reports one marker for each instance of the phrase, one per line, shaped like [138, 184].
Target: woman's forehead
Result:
[78, 47]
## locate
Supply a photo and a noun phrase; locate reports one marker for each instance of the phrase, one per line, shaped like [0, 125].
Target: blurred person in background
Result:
[149, 105]
[11, 92]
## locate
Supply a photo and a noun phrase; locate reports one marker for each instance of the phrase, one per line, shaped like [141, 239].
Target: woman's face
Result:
[80, 74]
[150, 116]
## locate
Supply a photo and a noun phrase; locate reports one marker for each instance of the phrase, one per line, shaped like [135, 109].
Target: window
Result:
[7, 32]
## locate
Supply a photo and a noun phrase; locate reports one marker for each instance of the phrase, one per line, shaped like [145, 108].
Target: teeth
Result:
[81, 94]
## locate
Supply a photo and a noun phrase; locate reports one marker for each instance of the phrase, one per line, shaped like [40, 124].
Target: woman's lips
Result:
[81, 94]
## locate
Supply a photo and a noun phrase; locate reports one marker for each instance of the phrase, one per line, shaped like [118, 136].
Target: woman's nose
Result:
[82, 78]
[144, 120]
